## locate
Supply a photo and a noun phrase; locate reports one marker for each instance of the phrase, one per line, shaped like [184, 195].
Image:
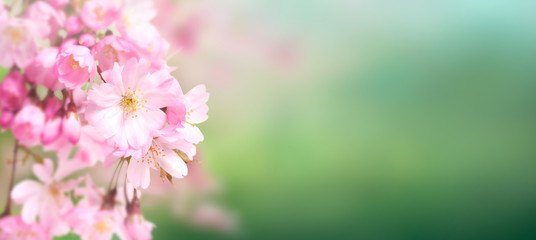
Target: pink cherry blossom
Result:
[12, 227]
[98, 14]
[127, 108]
[112, 49]
[93, 224]
[133, 116]
[28, 125]
[135, 22]
[18, 43]
[159, 155]
[75, 66]
[195, 102]
[90, 220]
[42, 11]
[137, 228]
[12, 91]
[155, 51]
[41, 69]
[46, 199]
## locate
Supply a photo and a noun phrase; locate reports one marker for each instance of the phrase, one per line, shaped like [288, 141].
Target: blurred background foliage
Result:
[394, 120]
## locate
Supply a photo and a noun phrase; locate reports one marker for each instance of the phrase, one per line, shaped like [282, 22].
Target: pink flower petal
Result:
[24, 190]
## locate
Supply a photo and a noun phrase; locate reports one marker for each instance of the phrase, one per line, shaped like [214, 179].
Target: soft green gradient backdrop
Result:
[401, 120]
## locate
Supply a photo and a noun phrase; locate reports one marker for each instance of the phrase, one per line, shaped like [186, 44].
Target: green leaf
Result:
[68, 236]
[3, 72]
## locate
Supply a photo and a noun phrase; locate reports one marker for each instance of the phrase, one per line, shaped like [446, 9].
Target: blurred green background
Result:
[397, 120]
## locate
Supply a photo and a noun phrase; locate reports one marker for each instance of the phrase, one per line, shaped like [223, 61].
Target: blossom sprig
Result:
[88, 81]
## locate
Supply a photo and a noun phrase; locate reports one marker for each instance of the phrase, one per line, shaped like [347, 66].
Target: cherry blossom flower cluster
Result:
[89, 82]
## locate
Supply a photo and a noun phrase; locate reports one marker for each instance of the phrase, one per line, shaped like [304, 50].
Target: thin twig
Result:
[99, 70]
[7, 209]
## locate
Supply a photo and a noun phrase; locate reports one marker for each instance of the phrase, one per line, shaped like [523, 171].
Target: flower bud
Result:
[6, 118]
[12, 91]
[87, 39]
[28, 125]
[73, 25]
[51, 130]
[71, 127]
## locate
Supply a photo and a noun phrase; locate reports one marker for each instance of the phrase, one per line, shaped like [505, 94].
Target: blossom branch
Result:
[7, 209]
[99, 70]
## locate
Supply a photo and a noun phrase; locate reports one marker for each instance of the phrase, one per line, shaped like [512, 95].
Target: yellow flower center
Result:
[22, 234]
[99, 13]
[110, 52]
[74, 64]
[54, 189]
[15, 35]
[132, 102]
[101, 227]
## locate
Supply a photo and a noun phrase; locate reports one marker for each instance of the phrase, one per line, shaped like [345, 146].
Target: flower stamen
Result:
[131, 103]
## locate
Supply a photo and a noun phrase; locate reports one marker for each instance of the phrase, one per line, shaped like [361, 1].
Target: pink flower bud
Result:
[87, 39]
[75, 66]
[52, 106]
[51, 130]
[73, 25]
[12, 91]
[6, 118]
[71, 127]
[28, 125]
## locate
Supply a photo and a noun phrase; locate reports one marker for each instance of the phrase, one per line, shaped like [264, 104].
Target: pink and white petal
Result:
[173, 164]
[198, 93]
[138, 174]
[108, 120]
[30, 209]
[155, 119]
[199, 114]
[137, 132]
[159, 98]
[119, 141]
[187, 148]
[105, 95]
[113, 76]
[63, 66]
[24, 190]
[44, 171]
[176, 114]
[192, 133]
[135, 72]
